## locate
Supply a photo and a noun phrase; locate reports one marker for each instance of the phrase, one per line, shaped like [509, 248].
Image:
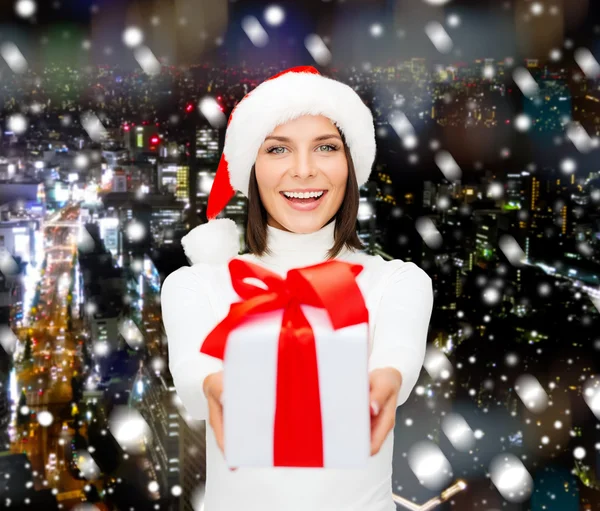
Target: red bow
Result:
[298, 440]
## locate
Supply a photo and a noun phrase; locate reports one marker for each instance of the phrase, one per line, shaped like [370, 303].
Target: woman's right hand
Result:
[213, 389]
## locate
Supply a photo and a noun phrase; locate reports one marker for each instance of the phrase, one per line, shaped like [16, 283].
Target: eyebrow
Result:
[316, 139]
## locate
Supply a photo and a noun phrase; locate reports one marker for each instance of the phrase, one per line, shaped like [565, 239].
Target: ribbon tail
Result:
[298, 436]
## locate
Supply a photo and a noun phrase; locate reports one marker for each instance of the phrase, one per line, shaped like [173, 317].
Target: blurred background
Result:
[112, 123]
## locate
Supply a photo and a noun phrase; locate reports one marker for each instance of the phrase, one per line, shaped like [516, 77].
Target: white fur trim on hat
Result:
[285, 98]
[214, 242]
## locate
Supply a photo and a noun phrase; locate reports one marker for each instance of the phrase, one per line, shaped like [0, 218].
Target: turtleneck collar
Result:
[291, 250]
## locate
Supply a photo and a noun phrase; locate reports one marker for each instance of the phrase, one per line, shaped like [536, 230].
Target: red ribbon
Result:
[298, 437]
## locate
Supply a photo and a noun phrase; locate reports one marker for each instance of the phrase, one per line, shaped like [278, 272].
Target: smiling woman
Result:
[299, 146]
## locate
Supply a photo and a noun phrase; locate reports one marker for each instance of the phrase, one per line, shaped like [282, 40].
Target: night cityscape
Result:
[112, 123]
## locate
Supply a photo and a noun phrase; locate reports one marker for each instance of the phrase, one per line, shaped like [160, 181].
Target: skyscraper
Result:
[192, 460]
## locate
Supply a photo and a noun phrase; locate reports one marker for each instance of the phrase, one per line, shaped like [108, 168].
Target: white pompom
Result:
[215, 242]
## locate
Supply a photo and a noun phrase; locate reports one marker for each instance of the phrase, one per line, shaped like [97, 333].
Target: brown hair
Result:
[345, 217]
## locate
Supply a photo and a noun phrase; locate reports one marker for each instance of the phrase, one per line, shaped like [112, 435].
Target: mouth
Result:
[304, 201]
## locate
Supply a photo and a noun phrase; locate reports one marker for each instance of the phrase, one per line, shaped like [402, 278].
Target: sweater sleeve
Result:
[402, 324]
[188, 317]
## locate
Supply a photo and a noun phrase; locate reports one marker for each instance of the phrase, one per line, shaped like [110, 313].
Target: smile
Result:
[304, 201]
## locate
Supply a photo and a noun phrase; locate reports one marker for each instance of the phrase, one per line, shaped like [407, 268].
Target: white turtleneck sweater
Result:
[195, 299]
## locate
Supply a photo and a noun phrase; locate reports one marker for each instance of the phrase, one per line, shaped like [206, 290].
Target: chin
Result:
[303, 225]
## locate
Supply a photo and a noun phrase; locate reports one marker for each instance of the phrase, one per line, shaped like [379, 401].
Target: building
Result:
[489, 226]
[173, 178]
[22, 191]
[12, 293]
[532, 191]
[110, 233]
[192, 460]
[115, 157]
[104, 328]
[5, 370]
[15, 473]
[141, 139]
[108, 293]
[178, 452]
[429, 194]
[20, 238]
[207, 145]
[7, 170]
[119, 181]
[155, 398]
[160, 214]
[514, 196]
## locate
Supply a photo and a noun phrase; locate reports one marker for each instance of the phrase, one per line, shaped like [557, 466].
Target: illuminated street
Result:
[46, 377]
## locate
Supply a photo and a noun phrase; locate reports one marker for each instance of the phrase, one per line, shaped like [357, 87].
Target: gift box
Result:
[295, 379]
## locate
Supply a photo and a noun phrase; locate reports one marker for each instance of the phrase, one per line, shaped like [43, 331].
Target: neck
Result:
[292, 250]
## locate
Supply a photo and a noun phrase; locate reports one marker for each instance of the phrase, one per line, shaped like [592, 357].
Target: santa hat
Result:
[284, 97]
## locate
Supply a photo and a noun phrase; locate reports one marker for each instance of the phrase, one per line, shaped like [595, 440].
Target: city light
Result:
[483, 197]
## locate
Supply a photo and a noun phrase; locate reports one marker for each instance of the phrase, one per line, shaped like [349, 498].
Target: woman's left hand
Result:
[384, 386]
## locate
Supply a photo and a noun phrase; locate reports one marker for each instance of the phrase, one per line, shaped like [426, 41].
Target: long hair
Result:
[345, 217]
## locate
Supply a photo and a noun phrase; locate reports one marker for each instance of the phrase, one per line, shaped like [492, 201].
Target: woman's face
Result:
[303, 155]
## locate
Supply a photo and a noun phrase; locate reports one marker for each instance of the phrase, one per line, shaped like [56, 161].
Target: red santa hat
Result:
[284, 97]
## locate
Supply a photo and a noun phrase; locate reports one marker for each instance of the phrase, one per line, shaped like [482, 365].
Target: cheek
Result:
[336, 169]
[266, 179]
[339, 177]
[264, 176]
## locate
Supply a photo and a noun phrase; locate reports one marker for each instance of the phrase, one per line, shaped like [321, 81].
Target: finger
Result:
[216, 421]
[379, 392]
[381, 426]
[380, 433]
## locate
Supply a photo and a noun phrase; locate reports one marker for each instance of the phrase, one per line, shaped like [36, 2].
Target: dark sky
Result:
[487, 29]
[53, 11]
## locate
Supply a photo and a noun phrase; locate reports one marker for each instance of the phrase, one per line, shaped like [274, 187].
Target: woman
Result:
[298, 146]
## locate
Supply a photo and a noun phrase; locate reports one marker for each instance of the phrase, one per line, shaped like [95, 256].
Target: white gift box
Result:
[249, 390]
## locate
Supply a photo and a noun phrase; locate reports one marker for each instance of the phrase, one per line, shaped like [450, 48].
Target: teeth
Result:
[304, 195]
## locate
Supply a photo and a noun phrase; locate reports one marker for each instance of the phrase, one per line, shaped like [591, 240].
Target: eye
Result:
[272, 149]
[330, 146]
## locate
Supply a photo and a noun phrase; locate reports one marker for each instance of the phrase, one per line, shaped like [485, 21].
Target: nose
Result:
[304, 167]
